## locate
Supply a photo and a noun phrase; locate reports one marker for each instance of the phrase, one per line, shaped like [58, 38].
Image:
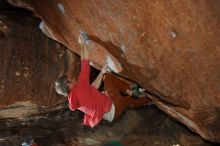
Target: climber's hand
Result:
[104, 69]
[80, 41]
[83, 38]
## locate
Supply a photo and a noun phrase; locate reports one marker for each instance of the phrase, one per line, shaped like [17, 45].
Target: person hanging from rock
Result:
[85, 96]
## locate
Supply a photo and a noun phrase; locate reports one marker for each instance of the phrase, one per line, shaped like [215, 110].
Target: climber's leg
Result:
[115, 86]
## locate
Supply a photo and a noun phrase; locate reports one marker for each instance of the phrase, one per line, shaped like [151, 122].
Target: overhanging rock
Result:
[170, 47]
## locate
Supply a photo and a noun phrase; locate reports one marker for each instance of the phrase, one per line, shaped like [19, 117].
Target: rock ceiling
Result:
[171, 48]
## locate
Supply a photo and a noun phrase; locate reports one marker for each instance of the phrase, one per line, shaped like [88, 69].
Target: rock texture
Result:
[30, 62]
[136, 128]
[169, 47]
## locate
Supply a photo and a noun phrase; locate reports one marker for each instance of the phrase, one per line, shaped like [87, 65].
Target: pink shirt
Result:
[87, 98]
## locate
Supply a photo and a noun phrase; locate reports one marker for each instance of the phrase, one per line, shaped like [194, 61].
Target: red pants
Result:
[114, 85]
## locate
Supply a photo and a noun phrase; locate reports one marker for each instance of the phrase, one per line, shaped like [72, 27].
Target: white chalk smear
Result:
[111, 64]
[123, 48]
[173, 35]
[41, 25]
[61, 8]
[45, 30]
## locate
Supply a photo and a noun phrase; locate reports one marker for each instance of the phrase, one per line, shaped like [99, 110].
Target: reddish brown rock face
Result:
[30, 62]
[171, 48]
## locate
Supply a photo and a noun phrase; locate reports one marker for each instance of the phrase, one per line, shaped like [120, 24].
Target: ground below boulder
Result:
[141, 127]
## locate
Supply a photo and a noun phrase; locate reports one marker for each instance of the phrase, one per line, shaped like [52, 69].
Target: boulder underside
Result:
[171, 48]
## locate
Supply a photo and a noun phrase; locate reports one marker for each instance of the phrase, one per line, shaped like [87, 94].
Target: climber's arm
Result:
[84, 52]
[85, 68]
[98, 81]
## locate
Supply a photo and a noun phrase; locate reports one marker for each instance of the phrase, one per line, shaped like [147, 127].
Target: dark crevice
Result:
[5, 6]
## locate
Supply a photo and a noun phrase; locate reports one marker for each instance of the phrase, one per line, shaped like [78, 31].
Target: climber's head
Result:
[63, 85]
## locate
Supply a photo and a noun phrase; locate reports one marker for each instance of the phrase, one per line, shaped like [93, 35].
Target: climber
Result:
[83, 96]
